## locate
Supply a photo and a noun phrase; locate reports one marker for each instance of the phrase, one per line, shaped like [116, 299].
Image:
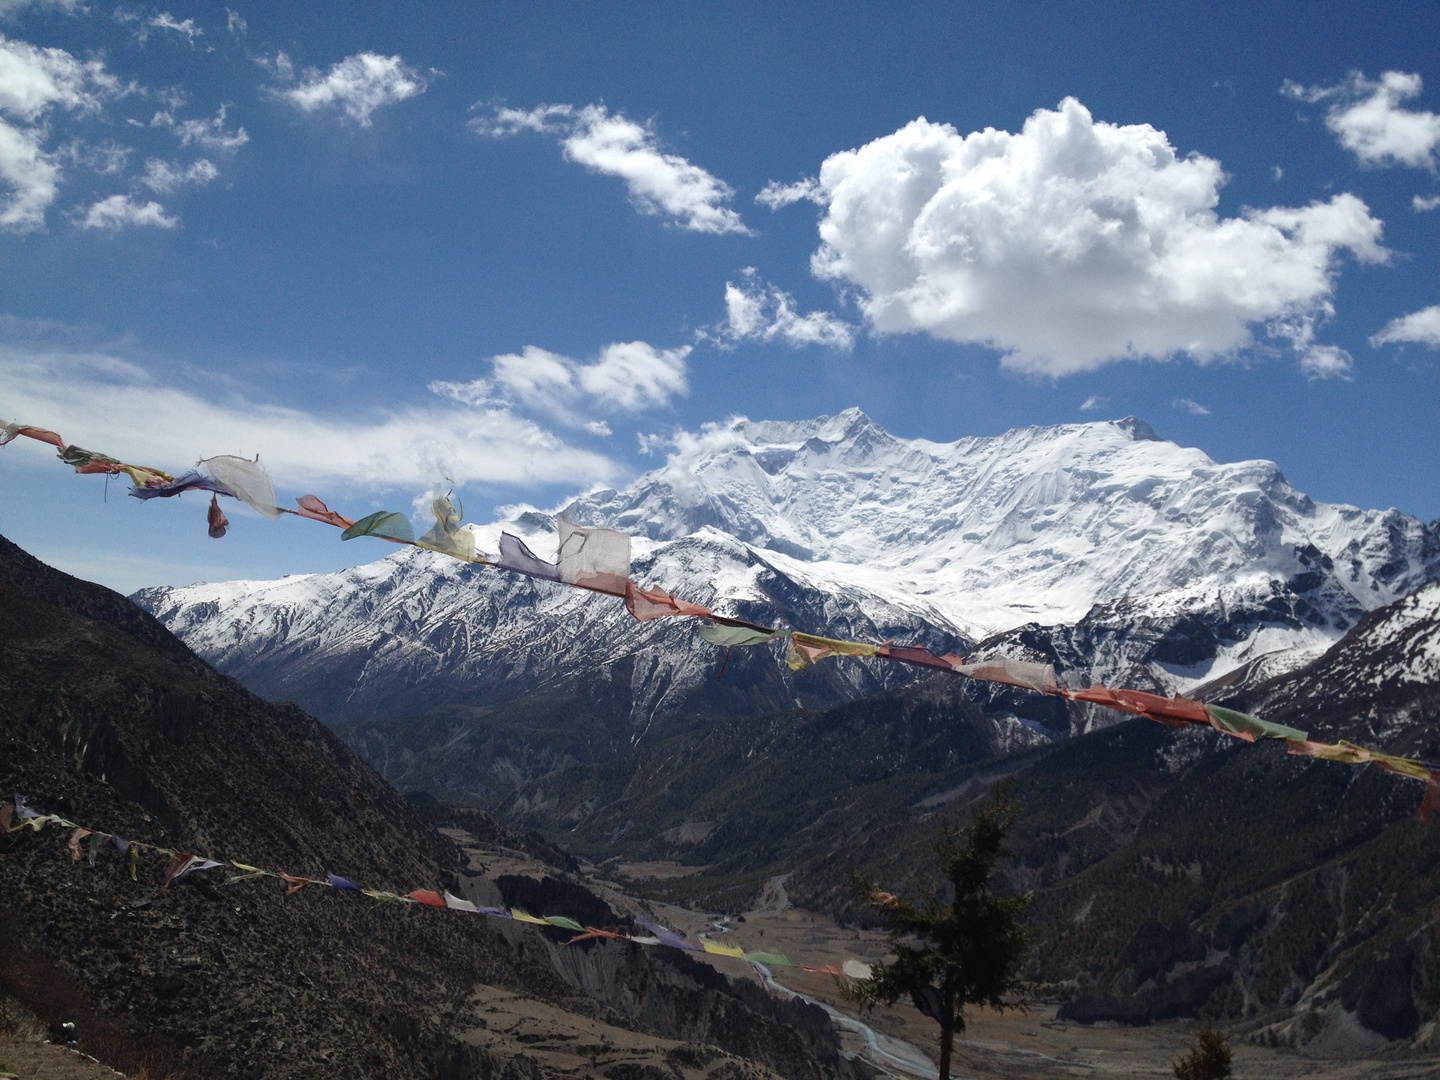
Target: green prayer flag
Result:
[564, 923]
[1253, 725]
[727, 636]
[385, 524]
[774, 959]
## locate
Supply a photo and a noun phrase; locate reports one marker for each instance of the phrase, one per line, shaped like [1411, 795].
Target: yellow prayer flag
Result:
[520, 916]
[722, 950]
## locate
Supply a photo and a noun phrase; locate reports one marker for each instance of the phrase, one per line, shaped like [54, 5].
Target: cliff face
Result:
[108, 719]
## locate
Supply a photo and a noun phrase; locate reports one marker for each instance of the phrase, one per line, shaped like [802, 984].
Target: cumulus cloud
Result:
[1368, 120]
[628, 377]
[661, 184]
[210, 134]
[1194, 408]
[94, 399]
[1075, 243]
[1419, 327]
[757, 312]
[119, 211]
[33, 82]
[359, 85]
[163, 177]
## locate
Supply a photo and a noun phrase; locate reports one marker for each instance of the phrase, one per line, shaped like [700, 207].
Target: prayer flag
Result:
[9, 431]
[313, 508]
[428, 898]
[856, 969]
[722, 950]
[7, 814]
[448, 536]
[914, 654]
[515, 556]
[596, 559]
[452, 901]
[385, 524]
[216, 519]
[1025, 674]
[191, 481]
[664, 936]
[497, 912]
[338, 882]
[75, 838]
[647, 604]
[246, 480]
[806, 649]
[526, 917]
[1247, 727]
[293, 883]
[564, 923]
[729, 636]
[23, 812]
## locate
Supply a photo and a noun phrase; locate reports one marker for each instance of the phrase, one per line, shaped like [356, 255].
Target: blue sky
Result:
[520, 245]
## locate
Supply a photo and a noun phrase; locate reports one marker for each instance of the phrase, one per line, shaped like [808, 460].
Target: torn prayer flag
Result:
[1250, 728]
[597, 559]
[666, 936]
[216, 519]
[455, 903]
[385, 524]
[806, 649]
[312, 508]
[182, 863]
[515, 556]
[647, 604]
[75, 838]
[191, 481]
[246, 480]
[564, 923]
[727, 636]
[8, 432]
[448, 536]
[1025, 674]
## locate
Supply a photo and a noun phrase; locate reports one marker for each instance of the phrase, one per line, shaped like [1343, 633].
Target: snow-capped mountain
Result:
[1116, 554]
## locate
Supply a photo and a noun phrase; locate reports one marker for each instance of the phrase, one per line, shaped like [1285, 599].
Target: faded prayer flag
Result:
[596, 559]
[386, 524]
[514, 555]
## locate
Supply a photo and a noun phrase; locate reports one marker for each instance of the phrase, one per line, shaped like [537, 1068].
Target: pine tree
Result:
[964, 951]
[1208, 1059]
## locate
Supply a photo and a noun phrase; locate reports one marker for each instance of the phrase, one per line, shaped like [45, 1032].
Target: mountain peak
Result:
[1137, 429]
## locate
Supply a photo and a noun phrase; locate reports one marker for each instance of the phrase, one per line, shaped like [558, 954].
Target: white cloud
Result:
[10, 7]
[234, 23]
[1277, 173]
[1423, 206]
[163, 20]
[33, 81]
[652, 443]
[611, 144]
[776, 195]
[1194, 408]
[118, 211]
[764, 313]
[1367, 119]
[107, 158]
[210, 134]
[96, 399]
[1419, 327]
[1093, 402]
[163, 177]
[1073, 243]
[359, 84]
[628, 377]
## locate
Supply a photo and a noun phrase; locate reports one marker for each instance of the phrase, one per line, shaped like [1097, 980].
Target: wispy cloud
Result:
[357, 85]
[1194, 408]
[1423, 205]
[96, 398]
[776, 195]
[659, 183]
[1368, 120]
[762, 312]
[164, 177]
[1093, 402]
[144, 25]
[210, 134]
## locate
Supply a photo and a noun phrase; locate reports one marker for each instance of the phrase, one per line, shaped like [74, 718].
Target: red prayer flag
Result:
[647, 604]
[313, 508]
[428, 898]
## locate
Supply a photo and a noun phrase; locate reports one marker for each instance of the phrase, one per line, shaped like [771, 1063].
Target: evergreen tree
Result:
[952, 953]
[1208, 1059]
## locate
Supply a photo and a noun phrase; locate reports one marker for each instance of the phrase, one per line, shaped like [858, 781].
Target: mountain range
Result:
[1098, 547]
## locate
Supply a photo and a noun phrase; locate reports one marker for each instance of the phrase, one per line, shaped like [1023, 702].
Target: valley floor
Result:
[1013, 1045]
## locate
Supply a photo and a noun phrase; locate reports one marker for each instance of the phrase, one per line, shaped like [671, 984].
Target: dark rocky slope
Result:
[107, 718]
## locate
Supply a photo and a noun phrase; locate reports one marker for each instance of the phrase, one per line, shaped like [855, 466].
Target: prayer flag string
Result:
[598, 560]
